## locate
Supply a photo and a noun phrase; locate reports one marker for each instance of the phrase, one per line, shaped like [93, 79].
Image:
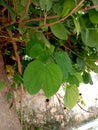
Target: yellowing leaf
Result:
[71, 96]
[10, 71]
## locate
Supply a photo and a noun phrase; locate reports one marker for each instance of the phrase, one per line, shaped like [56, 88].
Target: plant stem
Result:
[62, 19]
[25, 12]
[84, 9]
[19, 67]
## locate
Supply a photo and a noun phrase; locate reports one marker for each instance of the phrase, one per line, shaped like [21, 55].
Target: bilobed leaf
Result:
[45, 4]
[93, 15]
[64, 62]
[67, 6]
[71, 96]
[1, 84]
[59, 31]
[38, 76]
[90, 37]
[52, 79]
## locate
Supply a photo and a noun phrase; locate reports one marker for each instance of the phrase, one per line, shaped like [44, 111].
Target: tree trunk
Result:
[8, 116]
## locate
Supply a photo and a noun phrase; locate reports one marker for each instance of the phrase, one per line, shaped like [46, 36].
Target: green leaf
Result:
[77, 25]
[81, 63]
[57, 8]
[36, 51]
[40, 36]
[45, 4]
[17, 79]
[79, 77]
[64, 62]
[23, 3]
[1, 85]
[95, 2]
[87, 78]
[67, 7]
[71, 96]
[38, 76]
[9, 96]
[59, 31]
[34, 48]
[93, 15]
[52, 79]
[44, 56]
[73, 80]
[90, 37]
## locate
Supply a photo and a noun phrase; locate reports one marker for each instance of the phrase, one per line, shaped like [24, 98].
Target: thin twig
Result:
[62, 19]
[45, 17]
[19, 68]
[16, 52]
[86, 8]
[38, 19]
[85, 110]
[25, 12]
[55, 16]
[7, 24]
[16, 39]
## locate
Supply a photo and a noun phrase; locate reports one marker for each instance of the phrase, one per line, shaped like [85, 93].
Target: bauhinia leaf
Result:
[67, 7]
[71, 96]
[90, 37]
[95, 2]
[34, 48]
[93, 15]
[87, 78]
[73, 80]
[38, 76]
[64, 62]
[45, 4]
[59, 31]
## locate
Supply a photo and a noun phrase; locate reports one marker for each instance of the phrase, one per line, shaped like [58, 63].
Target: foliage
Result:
[49, 42]
[1, 84]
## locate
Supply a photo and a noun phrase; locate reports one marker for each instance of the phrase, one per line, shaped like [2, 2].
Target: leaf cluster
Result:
[57, 42]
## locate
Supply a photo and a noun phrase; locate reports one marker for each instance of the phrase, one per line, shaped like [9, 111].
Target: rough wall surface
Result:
[8, 117]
